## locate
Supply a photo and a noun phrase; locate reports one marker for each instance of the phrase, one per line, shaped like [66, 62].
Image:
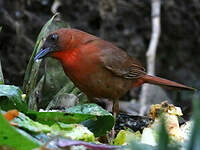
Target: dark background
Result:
[127, 23]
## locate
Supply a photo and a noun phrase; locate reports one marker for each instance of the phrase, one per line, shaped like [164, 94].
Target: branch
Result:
[1, 75]
[151, 52]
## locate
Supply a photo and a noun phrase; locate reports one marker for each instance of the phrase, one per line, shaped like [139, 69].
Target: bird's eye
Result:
[54, 37]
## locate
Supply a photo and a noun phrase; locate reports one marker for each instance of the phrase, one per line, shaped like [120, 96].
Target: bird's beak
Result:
[42, 53]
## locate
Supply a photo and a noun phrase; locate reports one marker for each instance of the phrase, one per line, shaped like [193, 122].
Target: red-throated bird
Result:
[97, 67]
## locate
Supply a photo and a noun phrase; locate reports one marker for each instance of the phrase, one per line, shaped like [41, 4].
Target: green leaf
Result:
[98, 120]
[32, 103]
[10, 137]
[56, 82]
[163, 139]
[72, 131]
[28, 124]
[33, 67]
[56, 85]
[104, 120]
[11, 98]
[124, 137]
[31, 73]
[50, 118]
[138, 146]
[194, 143]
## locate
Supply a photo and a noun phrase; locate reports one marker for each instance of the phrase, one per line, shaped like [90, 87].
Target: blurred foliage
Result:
[102, 117]
[194, 143]
[11, 98]
[124, 136]
[10, 137]
[164, 142]
[72, 131]
[66, 143]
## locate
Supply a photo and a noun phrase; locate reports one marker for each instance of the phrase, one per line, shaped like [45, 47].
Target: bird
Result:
[97, 67]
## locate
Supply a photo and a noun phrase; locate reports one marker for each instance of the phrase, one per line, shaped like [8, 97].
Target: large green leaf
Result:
[103, 121]
[26, 123]
[98, 120]
[33, 67]
[55, 80]
[31, 74]
[72, 131]
[50, 118]
[10, 137]
[11, 98]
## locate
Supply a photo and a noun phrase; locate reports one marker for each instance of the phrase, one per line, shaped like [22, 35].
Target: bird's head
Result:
[55, 42]
[59, 42]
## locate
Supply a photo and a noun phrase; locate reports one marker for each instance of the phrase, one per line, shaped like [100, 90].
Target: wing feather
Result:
[119, 62]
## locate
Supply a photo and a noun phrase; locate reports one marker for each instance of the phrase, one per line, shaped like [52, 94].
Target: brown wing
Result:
[118, 62]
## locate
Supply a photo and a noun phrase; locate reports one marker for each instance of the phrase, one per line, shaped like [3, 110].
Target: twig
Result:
[55, 5]
[1, 75]
[151, 52]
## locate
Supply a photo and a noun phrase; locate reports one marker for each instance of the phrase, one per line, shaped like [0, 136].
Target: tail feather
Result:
[164, 82]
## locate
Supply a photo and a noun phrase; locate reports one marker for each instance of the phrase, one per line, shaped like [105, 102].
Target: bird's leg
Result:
[115, 108]
[115, 111]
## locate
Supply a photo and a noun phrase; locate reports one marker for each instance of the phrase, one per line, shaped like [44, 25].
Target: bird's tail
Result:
[164, 82]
